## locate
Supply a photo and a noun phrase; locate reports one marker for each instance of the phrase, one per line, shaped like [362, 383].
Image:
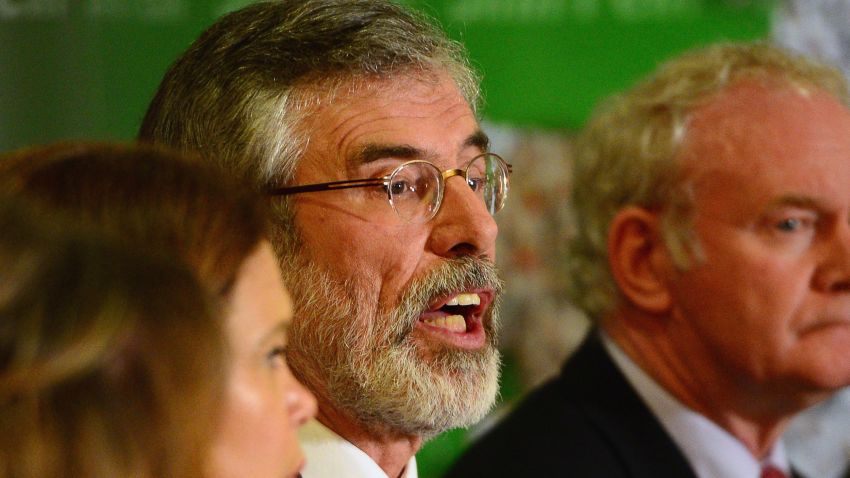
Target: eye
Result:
[476, 184]
[399, 187]
[792, 226]
[277, 356]
[789, 224]
[795, 223]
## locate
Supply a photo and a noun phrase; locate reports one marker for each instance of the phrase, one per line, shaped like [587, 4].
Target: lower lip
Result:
[473, 339]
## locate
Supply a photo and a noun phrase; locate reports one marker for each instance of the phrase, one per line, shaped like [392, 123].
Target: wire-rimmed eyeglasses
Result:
[415, 189]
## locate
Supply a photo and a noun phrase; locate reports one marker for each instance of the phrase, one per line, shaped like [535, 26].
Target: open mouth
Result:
[459, 313]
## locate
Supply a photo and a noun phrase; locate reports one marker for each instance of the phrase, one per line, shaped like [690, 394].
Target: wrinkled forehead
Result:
[328, 90]
[428, 115]
[751, 123]
[769, 141]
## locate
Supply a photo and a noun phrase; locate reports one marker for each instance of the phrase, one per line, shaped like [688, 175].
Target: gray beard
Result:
[367, 363]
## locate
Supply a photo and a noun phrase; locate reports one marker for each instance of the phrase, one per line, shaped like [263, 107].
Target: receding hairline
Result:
[309, 95]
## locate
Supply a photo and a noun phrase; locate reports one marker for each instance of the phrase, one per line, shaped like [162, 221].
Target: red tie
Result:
[770, 471]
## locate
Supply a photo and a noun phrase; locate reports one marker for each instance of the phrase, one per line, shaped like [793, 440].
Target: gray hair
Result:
[239, 94]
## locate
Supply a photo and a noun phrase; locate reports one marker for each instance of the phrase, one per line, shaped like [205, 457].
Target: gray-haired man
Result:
[355, 117]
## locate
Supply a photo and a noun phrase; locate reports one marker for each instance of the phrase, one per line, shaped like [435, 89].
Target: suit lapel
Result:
[592, 381]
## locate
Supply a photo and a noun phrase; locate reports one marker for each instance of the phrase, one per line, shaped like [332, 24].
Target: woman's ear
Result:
[636, 255]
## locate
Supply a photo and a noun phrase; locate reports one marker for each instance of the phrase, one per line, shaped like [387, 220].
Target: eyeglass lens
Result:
[415, 191]
[416, 188]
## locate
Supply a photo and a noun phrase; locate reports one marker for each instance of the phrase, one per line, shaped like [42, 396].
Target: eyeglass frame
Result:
[385, 181]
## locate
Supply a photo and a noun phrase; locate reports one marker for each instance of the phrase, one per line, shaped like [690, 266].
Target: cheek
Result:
[771, 288]
[256, 438]
[344, 245]
[757, 296]
[380, 259]
[741, 267]
[243, 419]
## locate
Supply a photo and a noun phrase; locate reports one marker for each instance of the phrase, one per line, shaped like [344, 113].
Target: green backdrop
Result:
[86, 69]
[546, 62]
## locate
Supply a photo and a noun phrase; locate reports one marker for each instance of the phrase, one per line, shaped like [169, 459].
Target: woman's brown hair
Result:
[145, 196]
[111, 360]
[155, 202]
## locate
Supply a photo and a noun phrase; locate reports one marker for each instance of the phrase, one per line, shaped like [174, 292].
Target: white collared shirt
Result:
[711, 451]
[331, 456]
[817, 439]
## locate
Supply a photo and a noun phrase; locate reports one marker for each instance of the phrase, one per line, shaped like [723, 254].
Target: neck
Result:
[746, 410]
[391, 450]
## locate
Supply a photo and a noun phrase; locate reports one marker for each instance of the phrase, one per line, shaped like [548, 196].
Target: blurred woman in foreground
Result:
[156, 201]
[107, 358]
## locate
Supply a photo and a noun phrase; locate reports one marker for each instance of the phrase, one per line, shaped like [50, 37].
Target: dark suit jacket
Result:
[588, 422]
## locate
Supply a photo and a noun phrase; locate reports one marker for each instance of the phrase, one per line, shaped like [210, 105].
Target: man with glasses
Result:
[712, 249]
[357, 119]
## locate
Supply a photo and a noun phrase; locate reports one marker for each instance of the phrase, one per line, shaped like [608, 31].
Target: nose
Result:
[463, 226]
[833, 275]
[300, 402]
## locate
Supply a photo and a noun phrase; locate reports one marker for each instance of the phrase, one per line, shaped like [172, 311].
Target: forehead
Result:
[427, 113]
[769, 135]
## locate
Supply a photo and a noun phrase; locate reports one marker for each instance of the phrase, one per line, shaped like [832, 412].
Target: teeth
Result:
[465, 299]
[452, 323]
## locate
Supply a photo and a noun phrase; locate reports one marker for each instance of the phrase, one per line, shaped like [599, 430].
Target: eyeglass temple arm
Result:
[351, 183]
[460, 172]
[354, 183]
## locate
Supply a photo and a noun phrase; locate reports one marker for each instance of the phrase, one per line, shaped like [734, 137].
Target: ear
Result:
[636, 255]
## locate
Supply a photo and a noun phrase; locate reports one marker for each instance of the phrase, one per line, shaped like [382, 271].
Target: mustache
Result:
[450, 276]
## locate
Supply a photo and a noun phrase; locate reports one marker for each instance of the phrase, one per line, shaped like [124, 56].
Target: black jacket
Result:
[587, 422]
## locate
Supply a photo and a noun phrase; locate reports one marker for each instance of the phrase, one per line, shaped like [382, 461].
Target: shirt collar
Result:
[710, 449]
[329, 455]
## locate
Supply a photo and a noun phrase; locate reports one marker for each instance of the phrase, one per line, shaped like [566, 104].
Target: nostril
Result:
[832, 280]
[841, 286]
[464, 249]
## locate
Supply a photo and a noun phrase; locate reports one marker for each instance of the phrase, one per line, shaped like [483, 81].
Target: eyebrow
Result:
[282, 328]
[796, 201]
[479, 139]
[375, 152]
